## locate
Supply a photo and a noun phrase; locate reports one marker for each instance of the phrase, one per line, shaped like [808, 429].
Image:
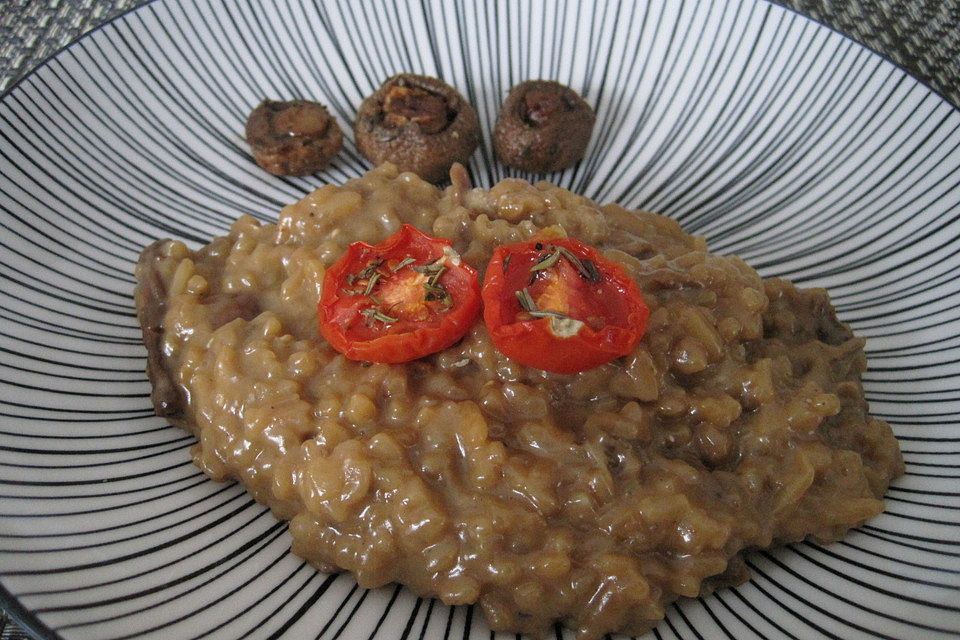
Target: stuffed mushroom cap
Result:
[419, 123]
[543, 126]
[293, 138]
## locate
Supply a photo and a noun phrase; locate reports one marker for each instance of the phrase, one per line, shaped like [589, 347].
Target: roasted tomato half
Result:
[560, 306]
[398, 301]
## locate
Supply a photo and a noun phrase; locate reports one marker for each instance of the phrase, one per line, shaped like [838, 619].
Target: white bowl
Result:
[778, 139]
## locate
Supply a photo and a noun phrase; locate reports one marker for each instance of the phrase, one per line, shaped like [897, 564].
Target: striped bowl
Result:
[777, 139]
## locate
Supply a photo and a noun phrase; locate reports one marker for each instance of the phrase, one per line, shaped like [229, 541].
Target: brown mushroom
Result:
[294, 138]
[419, 123]
[543, 126]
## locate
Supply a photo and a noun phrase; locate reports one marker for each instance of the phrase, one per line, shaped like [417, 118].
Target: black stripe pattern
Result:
[776, 138]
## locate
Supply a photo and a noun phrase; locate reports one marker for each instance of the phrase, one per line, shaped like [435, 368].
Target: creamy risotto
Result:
[593, 499]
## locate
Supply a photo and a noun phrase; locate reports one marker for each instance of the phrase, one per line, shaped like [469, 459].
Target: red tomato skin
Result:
[397, 348]
[531, 343]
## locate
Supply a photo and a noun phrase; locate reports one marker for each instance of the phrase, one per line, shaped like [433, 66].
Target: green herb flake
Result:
[592, 273]
[435, 278]
[431, 268]
[366, 273]
[549, 314]
[547, 262]
[565, 325]
[400, 265]
[526, 300]
[574, 260]
[436, 293]
[371, 283]
[372, 314]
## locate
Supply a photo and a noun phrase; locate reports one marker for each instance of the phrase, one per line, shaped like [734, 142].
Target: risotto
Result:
[594, 499]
